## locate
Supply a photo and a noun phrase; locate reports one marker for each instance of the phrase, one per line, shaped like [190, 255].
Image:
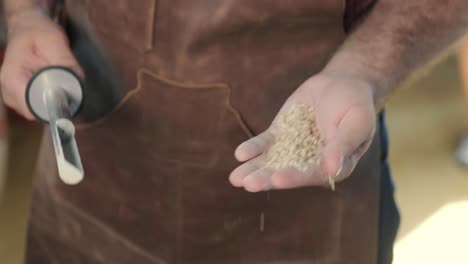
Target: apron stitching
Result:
[150, 27]
[140, 74]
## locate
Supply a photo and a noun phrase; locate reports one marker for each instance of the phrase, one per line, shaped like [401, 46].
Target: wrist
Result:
[18, 16]
[13, 12]
[354, 69]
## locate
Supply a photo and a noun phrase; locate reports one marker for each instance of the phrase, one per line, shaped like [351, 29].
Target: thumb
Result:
[58, 53]
[352, 138]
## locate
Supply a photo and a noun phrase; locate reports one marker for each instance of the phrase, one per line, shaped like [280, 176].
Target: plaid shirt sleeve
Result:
[355, 9]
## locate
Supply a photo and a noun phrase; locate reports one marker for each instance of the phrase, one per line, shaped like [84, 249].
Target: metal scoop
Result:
[55, 95]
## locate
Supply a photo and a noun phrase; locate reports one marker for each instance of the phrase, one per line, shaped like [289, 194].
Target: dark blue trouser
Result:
[389, 217]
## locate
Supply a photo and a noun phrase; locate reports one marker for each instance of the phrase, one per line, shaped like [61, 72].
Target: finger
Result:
[352, 140]
[58, 53]
[289, 178]
[332, 161]
[14, 80]
[259, 180]
[237, 176]
[18, 103]
[254, 146]
[355, 129]
[8, 103]
[347, 168]
[19, 85]
[351, 162]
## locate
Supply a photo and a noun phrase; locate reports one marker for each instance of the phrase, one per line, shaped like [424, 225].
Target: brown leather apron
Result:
[200, 77]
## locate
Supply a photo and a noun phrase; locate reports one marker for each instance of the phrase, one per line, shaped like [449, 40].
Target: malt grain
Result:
[297, 141]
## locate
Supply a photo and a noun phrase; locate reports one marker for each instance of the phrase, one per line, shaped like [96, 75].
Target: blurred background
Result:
[426, 121]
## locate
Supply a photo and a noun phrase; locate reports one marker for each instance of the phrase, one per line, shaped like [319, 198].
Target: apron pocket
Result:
[193, 124]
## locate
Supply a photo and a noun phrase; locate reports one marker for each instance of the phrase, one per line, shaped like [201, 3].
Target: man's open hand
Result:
[346, 120]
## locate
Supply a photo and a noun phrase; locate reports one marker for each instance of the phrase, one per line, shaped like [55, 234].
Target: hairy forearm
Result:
[396, 38]
[11, 7]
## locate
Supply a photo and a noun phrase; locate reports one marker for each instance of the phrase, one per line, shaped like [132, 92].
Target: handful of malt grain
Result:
[297, 141]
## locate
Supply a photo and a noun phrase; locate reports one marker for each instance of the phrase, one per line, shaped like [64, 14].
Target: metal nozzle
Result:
[54, 95]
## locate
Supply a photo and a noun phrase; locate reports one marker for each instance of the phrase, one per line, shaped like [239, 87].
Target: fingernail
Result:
[331, 180]
[339, 171]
